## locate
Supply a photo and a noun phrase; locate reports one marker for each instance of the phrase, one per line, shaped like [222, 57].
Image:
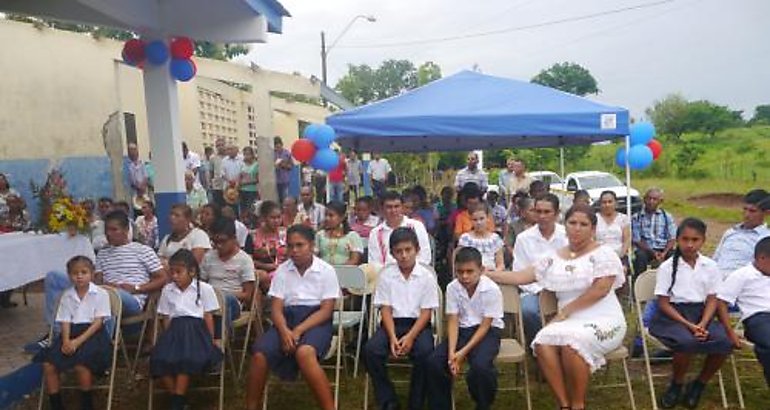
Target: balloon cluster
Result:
[644, 149]
[315, 147]
[136, 52]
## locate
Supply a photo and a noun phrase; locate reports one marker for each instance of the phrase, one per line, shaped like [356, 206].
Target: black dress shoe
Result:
[672, 396]
[694, 393]
[391, 406]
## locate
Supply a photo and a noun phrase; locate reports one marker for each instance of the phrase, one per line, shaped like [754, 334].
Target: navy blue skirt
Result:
[95, 353]
[679, 339]
[282, 364]
[186, 347]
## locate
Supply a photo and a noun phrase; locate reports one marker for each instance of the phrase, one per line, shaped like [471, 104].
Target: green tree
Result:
[363, 84]
[761, 115]
[710, 118]
[686, 155]
[669, 115]
[569, 77]
[428, 72]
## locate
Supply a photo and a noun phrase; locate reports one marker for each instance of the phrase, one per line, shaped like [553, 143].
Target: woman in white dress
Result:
[613, 228]
[589, 322]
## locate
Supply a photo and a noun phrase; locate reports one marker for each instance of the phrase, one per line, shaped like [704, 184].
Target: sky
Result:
[639, 51]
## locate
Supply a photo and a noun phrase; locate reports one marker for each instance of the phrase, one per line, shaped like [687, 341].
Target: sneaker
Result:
[40, 344]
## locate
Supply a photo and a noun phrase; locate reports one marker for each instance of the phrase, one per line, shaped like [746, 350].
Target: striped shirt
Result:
[132, 264]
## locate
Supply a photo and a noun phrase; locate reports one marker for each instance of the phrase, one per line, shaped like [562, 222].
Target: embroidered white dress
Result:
[593, 331]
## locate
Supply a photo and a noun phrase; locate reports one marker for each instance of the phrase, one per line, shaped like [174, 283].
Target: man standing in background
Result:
[354, 171]
[283, 166]
[217, 185]
[472, 173]
[379, 170]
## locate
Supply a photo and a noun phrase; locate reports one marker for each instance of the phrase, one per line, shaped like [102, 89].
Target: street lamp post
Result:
[326, 50]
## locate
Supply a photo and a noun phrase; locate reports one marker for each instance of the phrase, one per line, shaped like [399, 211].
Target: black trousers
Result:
[758, 332]
[481, 376]
[377, 352]
[643, 258]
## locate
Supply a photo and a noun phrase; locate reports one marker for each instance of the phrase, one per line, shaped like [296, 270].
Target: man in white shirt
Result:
[379, 170]
[217, 184]
[192, 162]
[534, 244]
[310, 212]
[472, 173]
[513, 179]
[231, 167]
[379, 237]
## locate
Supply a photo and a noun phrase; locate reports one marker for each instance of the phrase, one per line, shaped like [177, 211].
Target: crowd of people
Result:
[468, 244]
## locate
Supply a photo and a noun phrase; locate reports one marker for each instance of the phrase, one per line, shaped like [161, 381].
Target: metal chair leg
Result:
[738, 388]
[722, 389]
[628, 385]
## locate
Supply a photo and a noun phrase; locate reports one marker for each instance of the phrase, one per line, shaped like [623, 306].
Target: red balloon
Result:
[656, 147]
[182, 47]
[303, 150]
[133, 51]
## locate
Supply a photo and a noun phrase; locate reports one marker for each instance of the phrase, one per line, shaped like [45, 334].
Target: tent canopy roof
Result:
[470, 110]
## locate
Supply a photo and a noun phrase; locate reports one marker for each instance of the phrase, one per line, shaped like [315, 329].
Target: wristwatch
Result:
[136, 288]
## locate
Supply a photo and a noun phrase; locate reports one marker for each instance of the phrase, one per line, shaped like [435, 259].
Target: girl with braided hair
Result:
[686, 288]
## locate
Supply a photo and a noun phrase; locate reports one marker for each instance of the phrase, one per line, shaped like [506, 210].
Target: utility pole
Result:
[324, 52]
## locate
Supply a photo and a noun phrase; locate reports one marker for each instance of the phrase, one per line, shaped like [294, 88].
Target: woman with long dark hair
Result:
[337, 244]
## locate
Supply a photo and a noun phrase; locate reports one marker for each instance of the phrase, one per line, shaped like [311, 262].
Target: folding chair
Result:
[335, 350]
[144, 318]
[644, 292]
[549, 308]
[247, 319]
[116, 310]
[513, 350]
[353, 279]
[437, 320]
[220, 373]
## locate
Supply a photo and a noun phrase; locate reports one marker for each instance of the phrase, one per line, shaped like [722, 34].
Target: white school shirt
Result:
[230, 275]
[318, 283]
[531, 246]
[486, 302]
[749, 288]
[72, 309]
[379, 243]
[175, 302]
[612, 234]
[196, 238]
[407, 297]
[693, 285]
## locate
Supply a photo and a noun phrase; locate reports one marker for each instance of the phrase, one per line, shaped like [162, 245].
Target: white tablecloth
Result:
[27, 257]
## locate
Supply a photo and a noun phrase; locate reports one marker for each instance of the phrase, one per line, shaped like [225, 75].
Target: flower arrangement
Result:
[58, 211]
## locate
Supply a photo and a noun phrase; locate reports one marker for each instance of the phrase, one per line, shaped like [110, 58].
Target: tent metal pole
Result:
[628, 212]
[561, 161]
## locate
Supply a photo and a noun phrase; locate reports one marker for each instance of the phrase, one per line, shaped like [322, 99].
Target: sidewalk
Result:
[19, 326]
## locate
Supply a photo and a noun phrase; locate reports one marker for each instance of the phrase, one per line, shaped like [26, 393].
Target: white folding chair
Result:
[513, 350]
[220, 373]
[353, 279]
[116, 310]
[248, 319]
[549, 308]
[335, 350]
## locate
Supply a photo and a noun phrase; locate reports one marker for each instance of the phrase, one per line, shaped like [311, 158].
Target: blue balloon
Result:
[620, 157]
[156, 52]
[321, 135]
[182, 69]
[642, 133]
[310, 131]
[325, 159]
[640, 157]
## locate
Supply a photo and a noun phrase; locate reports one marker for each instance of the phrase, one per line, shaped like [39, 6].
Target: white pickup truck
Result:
[595, 182]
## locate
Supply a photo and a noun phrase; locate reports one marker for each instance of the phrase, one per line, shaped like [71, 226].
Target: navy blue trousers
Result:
[757, 329]
[481, 376]
[377, 352]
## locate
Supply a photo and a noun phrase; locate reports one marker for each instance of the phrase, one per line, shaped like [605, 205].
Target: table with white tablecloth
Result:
[27, 257]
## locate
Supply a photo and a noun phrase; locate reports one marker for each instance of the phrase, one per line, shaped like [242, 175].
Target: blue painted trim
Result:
[365, 177]
[15, 385]
[295, 181]
[273, 12]
[163, 203]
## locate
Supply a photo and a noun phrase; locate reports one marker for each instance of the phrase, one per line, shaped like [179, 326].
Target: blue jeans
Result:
[650, 309]
[233, 312]
[338, 191]
[530, 315]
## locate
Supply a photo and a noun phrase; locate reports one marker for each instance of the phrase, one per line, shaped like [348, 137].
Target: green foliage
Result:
[761, 115]
[427, 72]
[669, 115]
[674, 116]
[362, 84]
[568, 77]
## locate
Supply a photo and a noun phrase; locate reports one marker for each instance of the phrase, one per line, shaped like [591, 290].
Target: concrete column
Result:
[365, 158]
[160, 93]
[266, 163]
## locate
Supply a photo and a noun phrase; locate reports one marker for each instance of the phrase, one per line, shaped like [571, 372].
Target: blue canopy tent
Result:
[470, 110]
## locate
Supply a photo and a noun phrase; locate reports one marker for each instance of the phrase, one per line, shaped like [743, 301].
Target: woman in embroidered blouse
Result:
[590, 321]
[337, 244]
[147, 223]
[269, 240]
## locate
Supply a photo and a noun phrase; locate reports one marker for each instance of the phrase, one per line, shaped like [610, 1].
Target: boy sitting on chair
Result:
[749, 287]
[474, 309]
[406, 293]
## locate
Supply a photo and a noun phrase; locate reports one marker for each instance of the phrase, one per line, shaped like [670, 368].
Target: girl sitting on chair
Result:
[186, 346]
[83, 343]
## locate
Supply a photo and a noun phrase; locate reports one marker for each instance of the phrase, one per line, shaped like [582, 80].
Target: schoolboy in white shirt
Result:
[749, 287]
[474, 308]
[406, 293]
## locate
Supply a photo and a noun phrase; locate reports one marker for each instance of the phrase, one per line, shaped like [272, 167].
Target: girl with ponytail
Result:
[686, 287]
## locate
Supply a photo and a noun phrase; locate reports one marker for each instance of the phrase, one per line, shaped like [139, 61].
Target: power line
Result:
[511, 29]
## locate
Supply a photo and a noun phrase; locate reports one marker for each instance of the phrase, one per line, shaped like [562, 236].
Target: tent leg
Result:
[561, 162]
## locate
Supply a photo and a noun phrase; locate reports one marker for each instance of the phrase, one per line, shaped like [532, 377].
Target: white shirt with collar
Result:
[231, 169]
[195, 239]
[477, 176]
[693, 284]
[175, 302]
[379, 169]
[749, 288]
[73, 309]
[379, 243]
[531, 246]
[318, 283]
[316, 214]
[407, 296]
[736, 248]
[486, 302]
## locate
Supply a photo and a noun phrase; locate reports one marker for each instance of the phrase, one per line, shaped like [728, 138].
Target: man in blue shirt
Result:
[653, 232]
[736, 249]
